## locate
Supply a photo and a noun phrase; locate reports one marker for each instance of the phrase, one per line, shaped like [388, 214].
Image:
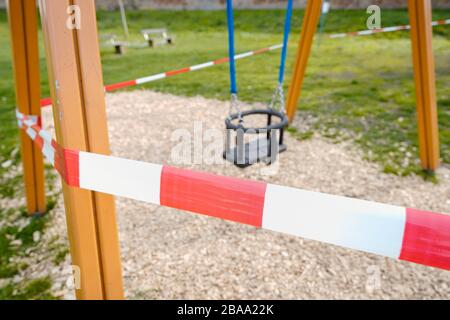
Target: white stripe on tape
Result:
[121, 177]
[201, 66]
[243, 55]
[338, 35]
[390, 29]
[351, 223]
[150, 78]
[49, 152]
[366, 32]
[46, 136]
[31, 133]
[387, 29]
[47, 148]
[277, 46]
[30, 121]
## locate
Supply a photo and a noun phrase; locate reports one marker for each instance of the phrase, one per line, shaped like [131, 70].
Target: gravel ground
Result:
[168, 254]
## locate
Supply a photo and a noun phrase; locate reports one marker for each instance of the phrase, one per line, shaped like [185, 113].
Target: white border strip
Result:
[121, 177]
[202, 66]
[244, 55]
[150, 78]
[382, 30]
[357, 224]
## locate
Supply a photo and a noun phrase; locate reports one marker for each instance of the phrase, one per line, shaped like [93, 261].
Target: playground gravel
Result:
[169, 254]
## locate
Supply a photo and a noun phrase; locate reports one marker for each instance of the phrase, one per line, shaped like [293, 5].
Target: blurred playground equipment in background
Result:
[153, 37]
[156, 37]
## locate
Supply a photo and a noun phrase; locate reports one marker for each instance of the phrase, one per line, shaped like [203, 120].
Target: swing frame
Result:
[263, 149]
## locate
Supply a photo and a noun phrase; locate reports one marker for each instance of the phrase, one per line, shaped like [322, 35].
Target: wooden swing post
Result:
[22, 17]
[424, 74]
[79, 111]
[424, 79]
[310, 20]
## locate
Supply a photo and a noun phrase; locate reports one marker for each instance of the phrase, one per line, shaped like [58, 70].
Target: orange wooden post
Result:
[22, 16]
[424, 77]
[309, 26]
[80, 121]
[97, 129]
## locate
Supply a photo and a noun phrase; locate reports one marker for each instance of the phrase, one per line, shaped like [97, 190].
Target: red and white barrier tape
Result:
[115, 86]
[47, 101]
[387, 29]
[402, 233]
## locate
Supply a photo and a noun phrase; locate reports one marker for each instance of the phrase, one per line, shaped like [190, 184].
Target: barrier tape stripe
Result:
[115, 86]
[387, 29]
[402, 233]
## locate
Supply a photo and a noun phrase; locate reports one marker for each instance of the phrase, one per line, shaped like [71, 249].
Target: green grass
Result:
[38, 289]
[363, 89]
[16, 241]
[355, 88]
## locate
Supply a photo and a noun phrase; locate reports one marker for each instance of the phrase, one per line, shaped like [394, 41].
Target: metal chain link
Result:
[278, 102]
[234, 105]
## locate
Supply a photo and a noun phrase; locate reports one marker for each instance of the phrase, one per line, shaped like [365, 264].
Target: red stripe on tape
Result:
[39, 141]
[222, 197]
[426, 239]
[72, 167]
[261, 51]
[174, 72]
[35, 127]
[59, 159]
[46, 102]
[67, 163]
[120, 85]
[221, 60]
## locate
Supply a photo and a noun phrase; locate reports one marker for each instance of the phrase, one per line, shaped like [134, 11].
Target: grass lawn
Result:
[355, 88]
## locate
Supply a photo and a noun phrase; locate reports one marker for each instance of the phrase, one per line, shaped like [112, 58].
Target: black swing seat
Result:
[264, 149]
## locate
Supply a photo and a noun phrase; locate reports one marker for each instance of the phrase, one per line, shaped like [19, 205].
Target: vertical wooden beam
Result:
[80, 122]
[309, 26]
[91, 83]
[22, 16]
[424, 78]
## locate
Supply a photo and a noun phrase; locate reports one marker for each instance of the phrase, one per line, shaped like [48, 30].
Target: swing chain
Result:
[234, 105]
[278, 101]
